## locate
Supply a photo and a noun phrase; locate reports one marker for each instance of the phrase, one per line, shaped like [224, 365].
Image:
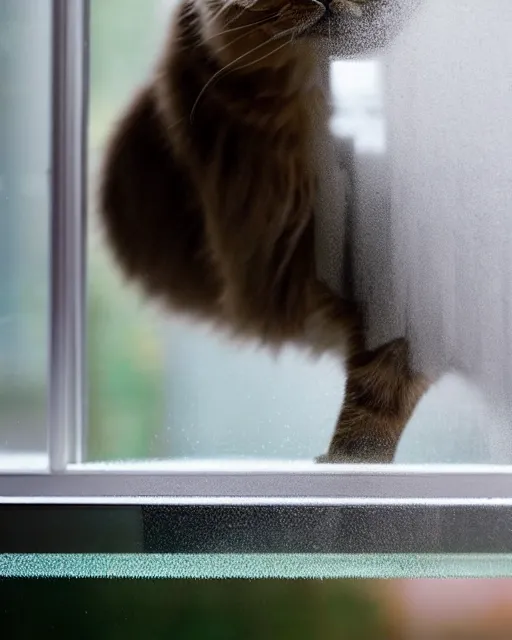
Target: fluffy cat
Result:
[208, 195]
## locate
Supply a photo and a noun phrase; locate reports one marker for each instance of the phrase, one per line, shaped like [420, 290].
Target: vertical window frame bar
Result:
[66, 406]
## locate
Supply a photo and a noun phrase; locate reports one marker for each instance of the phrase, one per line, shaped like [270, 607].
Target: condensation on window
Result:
[428, 128]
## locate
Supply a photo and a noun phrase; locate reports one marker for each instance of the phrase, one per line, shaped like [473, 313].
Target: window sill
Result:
[176, 482]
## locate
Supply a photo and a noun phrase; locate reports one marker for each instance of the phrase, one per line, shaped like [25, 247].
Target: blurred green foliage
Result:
[126, 396]
[195, 610]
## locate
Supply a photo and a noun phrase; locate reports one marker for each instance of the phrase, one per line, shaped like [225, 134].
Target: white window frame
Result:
[443, 509]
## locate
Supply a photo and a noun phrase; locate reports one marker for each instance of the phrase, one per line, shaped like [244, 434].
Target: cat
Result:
[208, 189]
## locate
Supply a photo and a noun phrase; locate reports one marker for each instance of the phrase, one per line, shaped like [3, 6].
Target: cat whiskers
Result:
[267, 55]
[192, 11]
[231, 67]
[225, 7]
[245, 26]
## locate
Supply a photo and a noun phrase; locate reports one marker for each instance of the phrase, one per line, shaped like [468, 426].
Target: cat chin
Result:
[343, 35]
[348, 36]
[332, 37]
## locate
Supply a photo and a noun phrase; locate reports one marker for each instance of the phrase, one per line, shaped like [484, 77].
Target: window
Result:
[152, 435]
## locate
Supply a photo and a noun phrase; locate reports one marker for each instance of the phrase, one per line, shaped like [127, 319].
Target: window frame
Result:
[70, 45]
[413, 509]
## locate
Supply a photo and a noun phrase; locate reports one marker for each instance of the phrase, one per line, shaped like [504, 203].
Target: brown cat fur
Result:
[208, 195]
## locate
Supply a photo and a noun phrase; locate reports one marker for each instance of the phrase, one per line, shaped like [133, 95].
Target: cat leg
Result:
[382, 390]
[381, 394]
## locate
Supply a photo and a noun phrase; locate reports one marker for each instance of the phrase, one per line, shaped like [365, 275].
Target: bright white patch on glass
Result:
[357, 95]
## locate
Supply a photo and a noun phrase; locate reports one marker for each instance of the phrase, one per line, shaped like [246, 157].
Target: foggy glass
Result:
[431, 233]
[423, 129]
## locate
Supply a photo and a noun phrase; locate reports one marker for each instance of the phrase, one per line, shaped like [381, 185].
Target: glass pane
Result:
[427, 166]
[24, 204]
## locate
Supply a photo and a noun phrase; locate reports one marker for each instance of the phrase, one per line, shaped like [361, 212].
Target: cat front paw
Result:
[381, 395]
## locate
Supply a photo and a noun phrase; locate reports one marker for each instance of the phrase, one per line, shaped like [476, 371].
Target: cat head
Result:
[348, 27]
[353, 29]
[273, 17]
[233, 28]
